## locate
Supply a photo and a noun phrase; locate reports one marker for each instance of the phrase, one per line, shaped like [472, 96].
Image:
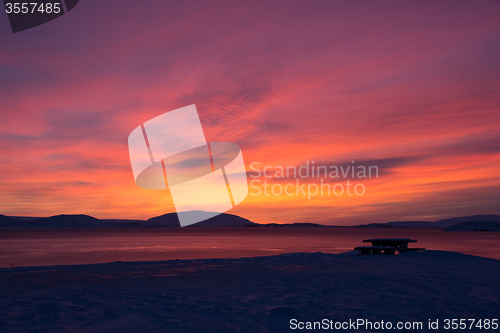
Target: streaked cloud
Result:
[412, 87]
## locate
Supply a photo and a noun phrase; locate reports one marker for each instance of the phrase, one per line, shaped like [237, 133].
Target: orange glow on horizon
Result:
[416, 94]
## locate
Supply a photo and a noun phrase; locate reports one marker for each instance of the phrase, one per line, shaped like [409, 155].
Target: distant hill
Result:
[222, 220]
[445, 223]
[25, 218]
[285, 225]
[475, 226]
[65, 222]
[80, 221]
[125, 224]
[474, 218]
[400, 224]
[8, 222]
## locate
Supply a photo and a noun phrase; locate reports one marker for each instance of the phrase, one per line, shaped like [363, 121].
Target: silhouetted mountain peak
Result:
[67, 221]
[221, 220]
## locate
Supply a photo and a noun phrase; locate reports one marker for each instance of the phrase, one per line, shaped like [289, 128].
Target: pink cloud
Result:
[286, 81]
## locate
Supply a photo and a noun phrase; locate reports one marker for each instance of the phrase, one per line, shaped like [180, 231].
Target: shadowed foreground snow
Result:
[248, 295]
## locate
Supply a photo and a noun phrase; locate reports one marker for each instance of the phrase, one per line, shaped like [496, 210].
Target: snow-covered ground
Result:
[251, 294]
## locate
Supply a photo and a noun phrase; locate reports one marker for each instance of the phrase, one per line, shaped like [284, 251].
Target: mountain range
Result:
[170, 220]
[438, 224]
[80, 221]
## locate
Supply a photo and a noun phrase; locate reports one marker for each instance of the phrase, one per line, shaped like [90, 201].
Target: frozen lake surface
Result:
[68, 247]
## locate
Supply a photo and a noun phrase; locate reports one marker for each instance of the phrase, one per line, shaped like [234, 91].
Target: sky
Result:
[412, 87]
